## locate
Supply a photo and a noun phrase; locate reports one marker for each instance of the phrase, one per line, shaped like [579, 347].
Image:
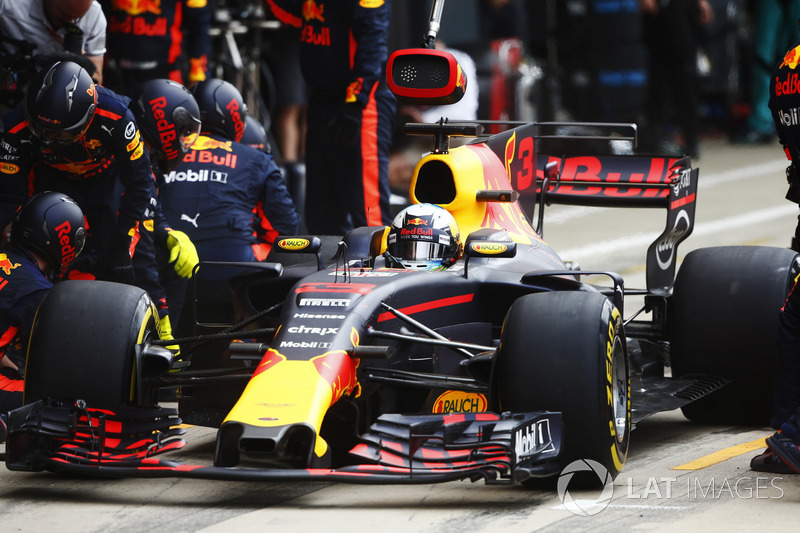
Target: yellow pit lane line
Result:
[722, 455]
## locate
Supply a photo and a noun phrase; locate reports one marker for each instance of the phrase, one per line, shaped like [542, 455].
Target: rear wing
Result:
[601, 181]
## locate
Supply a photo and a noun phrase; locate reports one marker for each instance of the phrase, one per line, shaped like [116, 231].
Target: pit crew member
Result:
[350, 116]
[78, 138]
[152, 40]
[784, 102]
[47, 234]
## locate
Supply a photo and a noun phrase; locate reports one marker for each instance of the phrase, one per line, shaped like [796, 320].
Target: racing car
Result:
[334, 364]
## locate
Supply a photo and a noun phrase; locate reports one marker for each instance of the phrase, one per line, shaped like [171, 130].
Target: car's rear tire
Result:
[565, 351]
[83, 343]
[723, 321]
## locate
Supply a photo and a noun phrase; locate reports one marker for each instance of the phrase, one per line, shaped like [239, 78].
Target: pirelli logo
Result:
[324, 302]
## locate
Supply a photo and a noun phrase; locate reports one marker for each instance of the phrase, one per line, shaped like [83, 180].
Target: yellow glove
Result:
[166, 335]
[182, 253]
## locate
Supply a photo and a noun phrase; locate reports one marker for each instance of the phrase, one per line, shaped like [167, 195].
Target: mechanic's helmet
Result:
[222, 108]
[169, 119]
[424, 236]
[51, 224]
[60, 103]
[255, 135]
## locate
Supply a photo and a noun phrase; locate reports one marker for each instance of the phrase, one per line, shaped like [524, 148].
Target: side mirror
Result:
[425, 76]
[300, 245]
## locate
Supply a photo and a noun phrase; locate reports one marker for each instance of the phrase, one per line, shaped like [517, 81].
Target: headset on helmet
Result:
[222, 108]
[168, 117]
[51, 224]
[255, 135]
[60, 103]
[424, 236]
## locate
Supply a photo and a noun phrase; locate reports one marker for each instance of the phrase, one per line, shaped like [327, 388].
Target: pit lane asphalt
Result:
[679, 475]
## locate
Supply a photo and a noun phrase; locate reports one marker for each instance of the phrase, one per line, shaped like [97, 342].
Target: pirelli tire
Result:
[723, 322]
[565, 351]
[83, 343]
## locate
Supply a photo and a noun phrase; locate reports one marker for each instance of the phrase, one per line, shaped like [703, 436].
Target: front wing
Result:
[398, 449]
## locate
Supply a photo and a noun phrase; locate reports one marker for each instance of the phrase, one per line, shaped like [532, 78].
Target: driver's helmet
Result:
[60, 103]
[169, 119]
[222, 108]
[424, 237]
[51, 224]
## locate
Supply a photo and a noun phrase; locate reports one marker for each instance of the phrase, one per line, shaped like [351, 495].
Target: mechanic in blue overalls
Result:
[75, 137]
[351, 112]
[47, 234]
[784, 102]
[221, 184]
[155, 40]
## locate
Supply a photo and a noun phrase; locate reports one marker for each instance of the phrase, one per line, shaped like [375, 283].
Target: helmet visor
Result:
[188, 127]
[423, 251]
[50, 135]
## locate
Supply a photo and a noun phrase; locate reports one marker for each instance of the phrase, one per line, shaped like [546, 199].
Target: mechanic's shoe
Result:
[769, 462]
[786, 449]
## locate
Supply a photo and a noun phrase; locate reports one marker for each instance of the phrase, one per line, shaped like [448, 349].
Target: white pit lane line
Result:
[701, 229]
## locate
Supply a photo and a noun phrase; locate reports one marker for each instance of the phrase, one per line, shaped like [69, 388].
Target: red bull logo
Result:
[68, 250]
[138, 7]
[427, 232]
[166, 129]
[237, 118]
[790, 85]
[417, 222]
[311, 11]
[6, 265]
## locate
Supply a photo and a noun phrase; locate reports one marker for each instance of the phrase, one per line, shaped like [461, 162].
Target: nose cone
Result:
[279, 415]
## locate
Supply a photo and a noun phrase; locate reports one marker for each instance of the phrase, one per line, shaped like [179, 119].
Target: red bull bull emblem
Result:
[311, 11]
[6, 265]
[207, 143]
[138, 7]
[792, 58]
[417, 222]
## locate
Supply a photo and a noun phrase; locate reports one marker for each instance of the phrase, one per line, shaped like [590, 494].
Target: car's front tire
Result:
[83, 343]
[565, 352]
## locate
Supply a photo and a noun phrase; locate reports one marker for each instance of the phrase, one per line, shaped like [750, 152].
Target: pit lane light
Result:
[425, 76]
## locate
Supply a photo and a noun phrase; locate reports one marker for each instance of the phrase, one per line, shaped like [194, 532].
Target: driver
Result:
[424, 237]
[46, 235]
